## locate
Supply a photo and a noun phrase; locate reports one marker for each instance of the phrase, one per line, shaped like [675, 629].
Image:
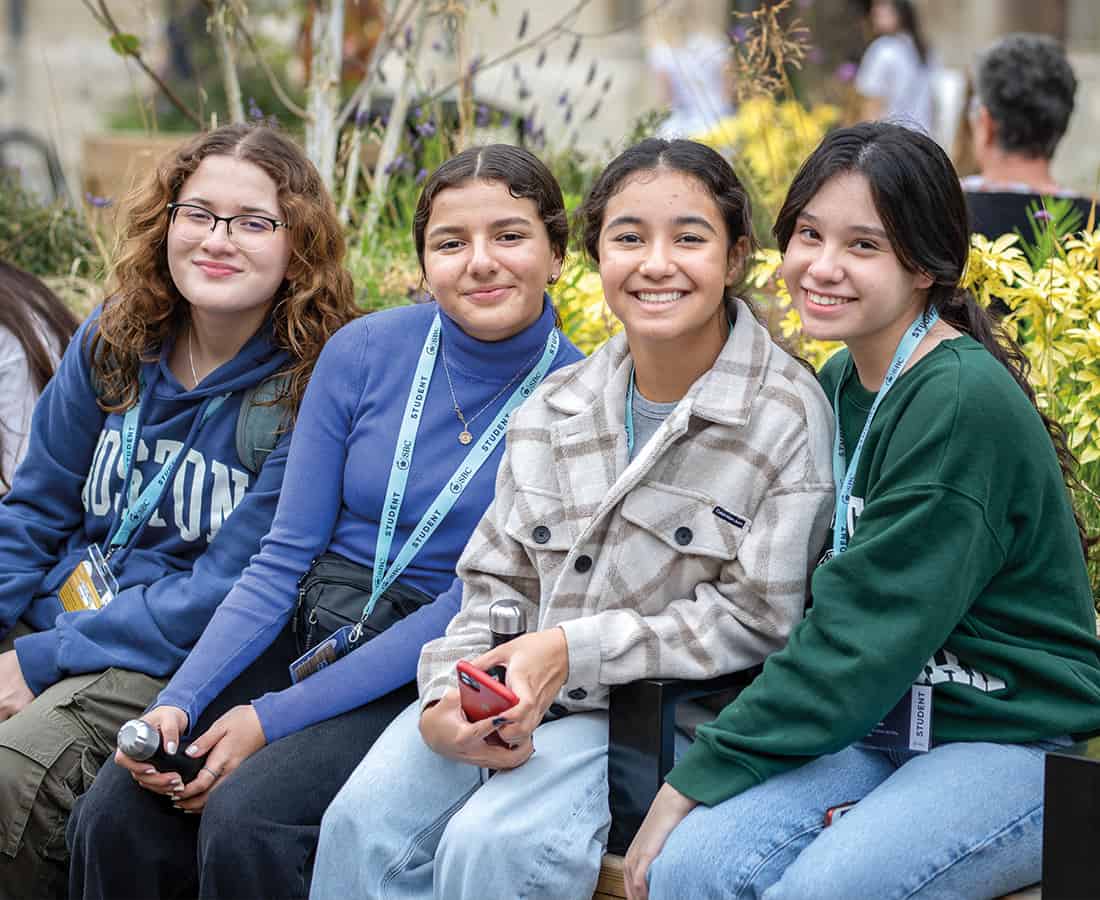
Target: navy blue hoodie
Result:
[180, 565]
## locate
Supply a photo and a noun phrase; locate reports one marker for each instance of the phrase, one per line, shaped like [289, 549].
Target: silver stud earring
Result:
[553, 279]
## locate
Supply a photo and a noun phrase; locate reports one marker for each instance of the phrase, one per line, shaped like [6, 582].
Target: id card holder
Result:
[338, 644]
[908, 726]
[92, 585]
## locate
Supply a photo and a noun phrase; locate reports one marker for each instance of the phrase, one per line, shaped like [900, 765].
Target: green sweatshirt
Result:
[964, 570]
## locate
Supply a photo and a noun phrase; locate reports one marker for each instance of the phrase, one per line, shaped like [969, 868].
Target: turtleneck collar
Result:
[495, 360]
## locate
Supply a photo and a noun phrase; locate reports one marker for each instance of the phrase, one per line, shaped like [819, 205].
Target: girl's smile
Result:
[846, 281]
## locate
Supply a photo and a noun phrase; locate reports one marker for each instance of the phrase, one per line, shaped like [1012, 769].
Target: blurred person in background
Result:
[689, 62]
[1023, 99]
[35, 326]
[894, 78]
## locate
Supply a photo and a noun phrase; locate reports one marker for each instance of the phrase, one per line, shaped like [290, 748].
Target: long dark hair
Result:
[27, 309]
[909, 24]
[918, 197]
[688, 158]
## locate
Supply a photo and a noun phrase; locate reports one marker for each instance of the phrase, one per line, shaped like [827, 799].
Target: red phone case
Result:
[482, 696]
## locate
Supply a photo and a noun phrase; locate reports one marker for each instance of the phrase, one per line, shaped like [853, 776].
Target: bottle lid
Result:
[138, 739]
[507, 618]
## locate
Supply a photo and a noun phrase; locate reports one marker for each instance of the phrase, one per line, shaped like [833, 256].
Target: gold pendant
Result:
[465, 437]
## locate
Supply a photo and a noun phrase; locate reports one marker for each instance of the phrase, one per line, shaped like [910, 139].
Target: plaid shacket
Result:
[689, 562]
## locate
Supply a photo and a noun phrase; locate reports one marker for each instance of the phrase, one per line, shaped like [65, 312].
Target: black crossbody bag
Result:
[334, 591]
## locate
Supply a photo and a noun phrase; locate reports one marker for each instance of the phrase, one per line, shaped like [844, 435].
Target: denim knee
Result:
[225, 825]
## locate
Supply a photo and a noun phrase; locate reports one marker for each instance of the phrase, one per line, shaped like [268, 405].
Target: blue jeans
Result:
[962, 821]
[410, 823]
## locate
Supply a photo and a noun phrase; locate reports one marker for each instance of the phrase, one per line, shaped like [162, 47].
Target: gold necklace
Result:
[465, 436]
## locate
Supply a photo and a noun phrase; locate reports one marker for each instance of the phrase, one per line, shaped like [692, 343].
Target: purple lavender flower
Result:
[505, 119]
[541, 58]
[522, 26]
[396, 164]
[594, 111]
[362, 116]
[254, 111]
[738, 33]
[421, 175]
[475, 64]
[437, 46]
[97, 202]
[816, 56]
[481, 115]
[1042, 215]
[845, 72]
[408, 37]
[426, 129]
[591, 73]
[563, 98]
[568, 114]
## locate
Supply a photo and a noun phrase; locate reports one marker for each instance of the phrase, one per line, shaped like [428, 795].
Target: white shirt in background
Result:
[892, 71]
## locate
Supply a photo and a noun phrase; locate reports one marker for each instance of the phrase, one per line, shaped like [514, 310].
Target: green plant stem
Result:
[103, 16]
[394, 128]
[227, 59]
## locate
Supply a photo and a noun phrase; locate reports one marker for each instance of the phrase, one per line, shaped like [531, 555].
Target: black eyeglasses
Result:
[193, 223]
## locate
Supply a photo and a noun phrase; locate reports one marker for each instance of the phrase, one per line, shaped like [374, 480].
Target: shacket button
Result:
[683, 535]
[541, 534]
[578, 694]
[583, 563]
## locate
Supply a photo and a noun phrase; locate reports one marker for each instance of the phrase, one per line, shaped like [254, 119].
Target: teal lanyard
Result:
[629, 416]
[141, 510]
[844, 475]
[402, 459]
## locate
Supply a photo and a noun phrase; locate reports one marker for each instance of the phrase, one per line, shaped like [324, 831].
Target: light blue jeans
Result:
[962, 822]
[410, 823]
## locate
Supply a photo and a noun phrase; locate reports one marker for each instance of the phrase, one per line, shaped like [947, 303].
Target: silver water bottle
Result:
[141, 741]
[507, 620]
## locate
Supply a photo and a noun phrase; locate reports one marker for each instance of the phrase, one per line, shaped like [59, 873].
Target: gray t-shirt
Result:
[648, 417]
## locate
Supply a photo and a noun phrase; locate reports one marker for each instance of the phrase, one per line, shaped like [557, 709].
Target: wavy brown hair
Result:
[144, 305]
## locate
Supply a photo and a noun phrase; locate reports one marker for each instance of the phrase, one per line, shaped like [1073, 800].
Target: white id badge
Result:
[908, 726]
[92, 585]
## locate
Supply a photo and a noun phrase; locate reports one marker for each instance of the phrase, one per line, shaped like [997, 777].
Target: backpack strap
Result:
[260, 422]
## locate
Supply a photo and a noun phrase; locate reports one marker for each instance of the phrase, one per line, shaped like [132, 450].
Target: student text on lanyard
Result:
[383, 577]
[139, 511]
[844, 473]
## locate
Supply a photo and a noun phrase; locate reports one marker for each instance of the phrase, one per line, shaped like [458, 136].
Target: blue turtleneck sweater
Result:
[332, 499]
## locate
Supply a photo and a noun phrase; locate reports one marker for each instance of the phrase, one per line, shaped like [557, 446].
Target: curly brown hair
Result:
[144, 307]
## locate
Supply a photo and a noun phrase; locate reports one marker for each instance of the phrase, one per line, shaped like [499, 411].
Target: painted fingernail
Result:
[193, 750]
[501, 720]
[176, 806]
[149, 771]
[170, 748]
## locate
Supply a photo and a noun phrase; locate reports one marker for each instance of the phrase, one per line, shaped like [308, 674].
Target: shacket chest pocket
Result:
[676, 525]
[537, 521]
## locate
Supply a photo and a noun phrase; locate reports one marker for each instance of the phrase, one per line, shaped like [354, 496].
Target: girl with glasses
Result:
[393, 463]
[136, 507]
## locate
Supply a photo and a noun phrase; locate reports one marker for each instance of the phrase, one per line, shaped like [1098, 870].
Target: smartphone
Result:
[835, 812]
[481, 695]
